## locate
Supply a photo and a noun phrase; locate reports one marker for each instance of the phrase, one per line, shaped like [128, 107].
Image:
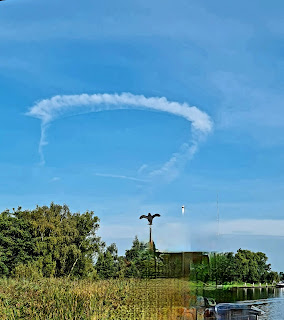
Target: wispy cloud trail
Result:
[117, 176]
[48, 110]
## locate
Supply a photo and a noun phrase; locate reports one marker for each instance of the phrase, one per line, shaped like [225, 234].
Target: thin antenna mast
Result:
[218, 217]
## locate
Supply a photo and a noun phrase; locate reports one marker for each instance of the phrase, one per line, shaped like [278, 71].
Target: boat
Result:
[280, 284]
[207, 308]
[232, 311]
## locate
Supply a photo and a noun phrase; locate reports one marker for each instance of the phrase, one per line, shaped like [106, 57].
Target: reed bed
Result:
[95, 300]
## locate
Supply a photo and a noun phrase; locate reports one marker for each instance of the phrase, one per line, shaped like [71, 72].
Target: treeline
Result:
[243, 266]
[54, 242]
[138, 262]
[48, 241]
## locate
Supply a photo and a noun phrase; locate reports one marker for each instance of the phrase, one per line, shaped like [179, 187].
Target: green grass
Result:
[95, 300]
[211, 284]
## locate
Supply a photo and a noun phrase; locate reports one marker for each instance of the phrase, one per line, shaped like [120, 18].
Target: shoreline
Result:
[232, 286]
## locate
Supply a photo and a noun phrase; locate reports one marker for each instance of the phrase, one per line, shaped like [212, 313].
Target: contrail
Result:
[48, 110]
[117, 176]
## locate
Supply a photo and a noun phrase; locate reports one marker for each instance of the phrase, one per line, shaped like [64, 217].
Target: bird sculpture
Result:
[150, 217]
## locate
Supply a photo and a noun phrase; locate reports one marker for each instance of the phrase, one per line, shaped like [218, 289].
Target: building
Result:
[181, 264]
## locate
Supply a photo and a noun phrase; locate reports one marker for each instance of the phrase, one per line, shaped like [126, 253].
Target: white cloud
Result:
[142, 168]
[116, 176]
[172, 167]
[48, 110]
[171, 236]
[255, 227]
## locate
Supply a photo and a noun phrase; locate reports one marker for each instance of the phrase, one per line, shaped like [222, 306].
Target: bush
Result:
[28, 271]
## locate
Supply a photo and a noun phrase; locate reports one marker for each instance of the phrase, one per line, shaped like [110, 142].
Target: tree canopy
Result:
[51, 240]
[243, 266]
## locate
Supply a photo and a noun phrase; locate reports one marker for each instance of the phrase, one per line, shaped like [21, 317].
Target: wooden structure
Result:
[180, 264]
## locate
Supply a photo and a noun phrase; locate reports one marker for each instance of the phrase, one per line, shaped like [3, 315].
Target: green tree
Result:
[135, 251]
[133, 257]
[272, 276]
[16, 243]
[51, 239]
[245, 266]
[107, 265]
[142, 262]
[223, 267]
[242, 266]
[263, 268]
[252, 266]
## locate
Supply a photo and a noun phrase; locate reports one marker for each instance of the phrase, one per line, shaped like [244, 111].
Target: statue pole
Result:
[151, 242]
[150, 218]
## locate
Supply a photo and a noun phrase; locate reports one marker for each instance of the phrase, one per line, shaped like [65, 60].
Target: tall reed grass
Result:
[95, 300]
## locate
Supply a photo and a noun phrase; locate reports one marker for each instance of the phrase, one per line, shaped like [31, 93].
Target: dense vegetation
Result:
[54, 266]
[244, 266]
[65, 299]
[48, 241]
[54, 242]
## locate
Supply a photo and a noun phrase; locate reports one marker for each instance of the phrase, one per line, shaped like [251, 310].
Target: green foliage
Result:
[251, 266]
[223, 267]
[200, 272]
[29, 271]
[107, 265]
[113, 299]
[136, 250]
[244, 266]
[272, 276]
[142, 262]
[54, 242]
[16, 243]
[139, 262]
[48, 241]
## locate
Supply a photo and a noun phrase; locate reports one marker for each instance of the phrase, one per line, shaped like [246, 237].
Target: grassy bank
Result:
[109, 299]
[198, 284]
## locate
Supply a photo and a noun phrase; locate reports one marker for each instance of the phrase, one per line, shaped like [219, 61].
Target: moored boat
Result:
[280, 284]
[232, 311]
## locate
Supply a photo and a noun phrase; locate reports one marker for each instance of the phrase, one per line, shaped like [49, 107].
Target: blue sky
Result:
[224, 58]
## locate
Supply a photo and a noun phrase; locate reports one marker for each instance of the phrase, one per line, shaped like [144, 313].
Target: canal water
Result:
[269, 300]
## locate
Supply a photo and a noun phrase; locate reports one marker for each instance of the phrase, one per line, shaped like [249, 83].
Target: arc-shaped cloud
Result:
[48, 110]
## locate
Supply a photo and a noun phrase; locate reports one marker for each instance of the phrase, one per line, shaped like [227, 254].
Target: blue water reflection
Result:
[270, 300]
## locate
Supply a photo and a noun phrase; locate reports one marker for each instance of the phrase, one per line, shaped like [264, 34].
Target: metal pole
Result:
[218, 218]
[216, 276]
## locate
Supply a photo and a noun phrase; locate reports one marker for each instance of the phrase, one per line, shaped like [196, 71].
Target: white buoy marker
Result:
[182, 210]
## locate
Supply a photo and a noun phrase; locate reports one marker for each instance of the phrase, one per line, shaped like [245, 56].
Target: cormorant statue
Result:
[150, 217]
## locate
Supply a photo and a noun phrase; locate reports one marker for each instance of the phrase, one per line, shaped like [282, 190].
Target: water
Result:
[270, 300]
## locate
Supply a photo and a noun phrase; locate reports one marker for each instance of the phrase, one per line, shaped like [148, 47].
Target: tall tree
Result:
[245, 266]
[16, 243]
[142, 262]
[58, 242]
[107, 265]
